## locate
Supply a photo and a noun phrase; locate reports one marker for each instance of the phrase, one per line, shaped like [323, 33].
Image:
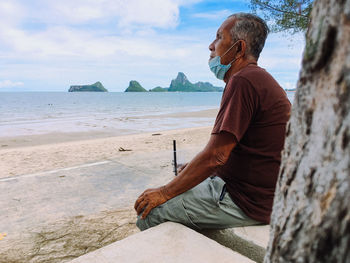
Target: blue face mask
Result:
[219, 69]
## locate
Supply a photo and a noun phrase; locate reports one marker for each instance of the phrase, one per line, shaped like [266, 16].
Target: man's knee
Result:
[172, 210]
[151, 220]
[142, 224]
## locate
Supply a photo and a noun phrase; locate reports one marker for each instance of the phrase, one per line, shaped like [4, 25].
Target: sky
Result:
[48, 45]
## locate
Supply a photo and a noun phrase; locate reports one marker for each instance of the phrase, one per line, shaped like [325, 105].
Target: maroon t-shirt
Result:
[255, 109]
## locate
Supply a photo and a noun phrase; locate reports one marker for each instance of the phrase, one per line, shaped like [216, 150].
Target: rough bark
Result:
[311, 214]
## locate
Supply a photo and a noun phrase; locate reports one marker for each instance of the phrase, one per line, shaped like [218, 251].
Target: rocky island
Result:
[179, 84]
[96, 87]
[182, 84]
[158, 89]
[134, 86]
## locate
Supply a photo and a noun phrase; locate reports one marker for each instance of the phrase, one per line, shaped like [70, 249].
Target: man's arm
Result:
[204, 164]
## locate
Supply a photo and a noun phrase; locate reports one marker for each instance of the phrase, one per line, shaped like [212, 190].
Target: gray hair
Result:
[252, 29]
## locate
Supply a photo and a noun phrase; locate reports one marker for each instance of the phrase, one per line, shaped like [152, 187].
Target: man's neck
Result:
[238, 66]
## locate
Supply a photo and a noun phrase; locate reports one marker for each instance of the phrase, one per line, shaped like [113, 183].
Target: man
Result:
[232, 181]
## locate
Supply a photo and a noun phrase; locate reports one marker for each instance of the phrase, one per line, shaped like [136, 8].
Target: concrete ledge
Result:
[168, 242]
[249, 241]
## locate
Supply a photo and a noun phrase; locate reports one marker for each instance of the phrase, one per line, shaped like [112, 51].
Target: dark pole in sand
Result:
[175, 162]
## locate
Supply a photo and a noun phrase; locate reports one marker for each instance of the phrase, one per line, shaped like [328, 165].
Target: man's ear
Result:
[242, 46]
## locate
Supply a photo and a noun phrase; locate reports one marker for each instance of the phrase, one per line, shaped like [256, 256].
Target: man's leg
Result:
[202, 207]
[171, 210]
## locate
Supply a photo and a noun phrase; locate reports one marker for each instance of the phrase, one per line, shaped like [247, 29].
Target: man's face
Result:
[223, 42]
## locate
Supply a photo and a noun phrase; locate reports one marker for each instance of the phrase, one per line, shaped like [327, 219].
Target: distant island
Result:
[96, 87]
[158, 89]
[180, 84]
[134, 86]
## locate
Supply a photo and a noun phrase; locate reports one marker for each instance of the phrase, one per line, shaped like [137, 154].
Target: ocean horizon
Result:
[35, 113]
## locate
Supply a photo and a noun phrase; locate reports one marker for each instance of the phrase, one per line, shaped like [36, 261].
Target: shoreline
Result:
[190, 119]
[40, 154]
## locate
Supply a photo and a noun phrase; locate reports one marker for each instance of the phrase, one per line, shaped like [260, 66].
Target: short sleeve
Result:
[238, 107]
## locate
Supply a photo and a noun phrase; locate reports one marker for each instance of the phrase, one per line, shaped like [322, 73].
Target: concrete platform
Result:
[168, 242]
[249, 241]
[35, 199]
[55, 216]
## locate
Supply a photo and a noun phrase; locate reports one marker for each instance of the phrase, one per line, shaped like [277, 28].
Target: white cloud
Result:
[59, 42]
[124, 13]
[82, 41]
[280, 53]
[221, 14]
[11, 12]
[156, 13]
[133, 36]
[187, 2]
[10, 84]
[289, 85]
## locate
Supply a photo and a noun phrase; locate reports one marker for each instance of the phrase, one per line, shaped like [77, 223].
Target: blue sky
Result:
[50, 45]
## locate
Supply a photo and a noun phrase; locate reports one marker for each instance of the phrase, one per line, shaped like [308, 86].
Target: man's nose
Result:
[211, 46]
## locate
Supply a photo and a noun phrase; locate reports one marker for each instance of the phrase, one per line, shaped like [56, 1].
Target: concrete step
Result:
[249, 241]
[168, 242]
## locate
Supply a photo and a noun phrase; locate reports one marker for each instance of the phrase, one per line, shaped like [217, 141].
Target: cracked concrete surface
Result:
[56, 217]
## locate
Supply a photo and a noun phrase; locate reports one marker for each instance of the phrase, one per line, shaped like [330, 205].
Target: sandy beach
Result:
[65, 185]
[37, 157]
[38, 153]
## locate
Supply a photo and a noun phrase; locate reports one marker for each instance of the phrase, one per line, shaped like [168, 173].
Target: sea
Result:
[118, 113]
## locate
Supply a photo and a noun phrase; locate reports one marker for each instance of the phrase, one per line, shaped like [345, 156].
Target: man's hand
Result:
[201, 167]
[150, 199]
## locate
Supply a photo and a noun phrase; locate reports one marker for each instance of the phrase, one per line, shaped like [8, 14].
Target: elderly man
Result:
[231, 182]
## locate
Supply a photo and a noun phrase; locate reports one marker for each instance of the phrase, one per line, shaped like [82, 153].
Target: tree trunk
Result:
[311, 214]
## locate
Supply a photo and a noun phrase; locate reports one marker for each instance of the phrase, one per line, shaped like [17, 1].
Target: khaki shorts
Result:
[205, 206]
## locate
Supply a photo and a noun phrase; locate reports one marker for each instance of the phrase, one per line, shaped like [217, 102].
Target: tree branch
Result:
[280, 10]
